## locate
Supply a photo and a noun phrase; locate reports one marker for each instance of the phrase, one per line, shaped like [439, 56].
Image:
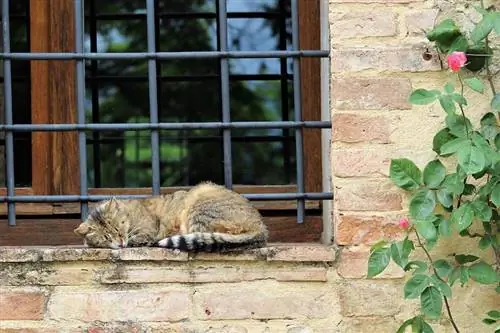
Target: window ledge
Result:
[298, 252]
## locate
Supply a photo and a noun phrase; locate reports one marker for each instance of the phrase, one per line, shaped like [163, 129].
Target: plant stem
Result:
[447, 305]
[460, 105]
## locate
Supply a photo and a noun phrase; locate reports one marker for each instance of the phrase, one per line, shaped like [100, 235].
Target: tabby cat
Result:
[208, 217]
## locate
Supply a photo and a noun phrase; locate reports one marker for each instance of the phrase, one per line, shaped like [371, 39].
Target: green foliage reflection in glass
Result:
[188, 92]
[459, 201]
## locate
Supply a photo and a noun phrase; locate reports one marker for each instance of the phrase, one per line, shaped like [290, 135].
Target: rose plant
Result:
[462, 201]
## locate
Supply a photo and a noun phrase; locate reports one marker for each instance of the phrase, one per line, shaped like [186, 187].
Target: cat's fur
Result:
[208, 217]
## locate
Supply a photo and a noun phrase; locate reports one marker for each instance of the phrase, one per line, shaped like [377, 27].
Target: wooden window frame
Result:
[55, 154]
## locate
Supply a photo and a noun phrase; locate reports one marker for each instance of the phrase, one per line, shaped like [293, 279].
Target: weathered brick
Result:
[419, 22]
[406, 59]
[360, 162]
[148, 274]
[21, 305]
[303, 253]
[29, 330]
[373, 162]
[353, 128]
[361, 93]
[378, 325]
[360, 229]
[363, 24]
[367, 195]
[116, 327]
[371, 298]
[265, 301]
[144, 305]
[354, 264]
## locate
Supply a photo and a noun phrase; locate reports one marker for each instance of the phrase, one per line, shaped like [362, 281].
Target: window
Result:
[188, 91]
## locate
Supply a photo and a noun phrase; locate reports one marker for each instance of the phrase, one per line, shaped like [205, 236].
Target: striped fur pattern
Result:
[208, 218]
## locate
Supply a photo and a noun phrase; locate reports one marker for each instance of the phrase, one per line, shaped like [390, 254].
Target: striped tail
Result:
[214, 242]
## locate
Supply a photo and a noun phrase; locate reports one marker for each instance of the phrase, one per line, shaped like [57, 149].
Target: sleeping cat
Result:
[208, 217]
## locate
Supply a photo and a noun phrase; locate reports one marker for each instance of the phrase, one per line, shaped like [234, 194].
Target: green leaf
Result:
[434, 173]
[447, 103]
[464, 275]
[440, 139]
[423, 96]
[465, 258]
[422, 204]
[449, 88]
[495, 102]
[484, 242]
[489, 321]
[494, 314]
[462, 217]
[405, 174]
[378, 245]
[489, 128]
[445, 198]
[483, 28]
[444, 32]
[487, 188]
[483, 273]
[471, 159]
[431, 302]
[475, 57]
[420, 266]
[459, 98]
[426, 328]
[495, 195]
[400, 251]
[420, 326]
[481, 210]
[458, 125]
[443, 287]
[454, 276]
[475, 84]
[454, 184]
[497, 23]
[459, 44]
[416, 285]
[426, 229]
[452, 146]
[444, 228]
[443, 268]
[407, 323]
[378, 261]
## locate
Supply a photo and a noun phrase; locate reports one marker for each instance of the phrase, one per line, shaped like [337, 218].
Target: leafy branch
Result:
[446, 202]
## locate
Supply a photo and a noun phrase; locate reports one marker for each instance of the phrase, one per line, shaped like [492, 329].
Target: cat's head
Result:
[107, 226]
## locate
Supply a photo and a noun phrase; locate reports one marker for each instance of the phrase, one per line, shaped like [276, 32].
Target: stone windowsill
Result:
[274, 252]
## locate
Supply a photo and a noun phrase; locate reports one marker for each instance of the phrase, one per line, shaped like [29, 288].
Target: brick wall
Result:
[377, 48]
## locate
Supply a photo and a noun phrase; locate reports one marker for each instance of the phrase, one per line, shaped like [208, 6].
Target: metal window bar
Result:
[9, 135]
[152, 56]
[80, 106]
[224, 82]
[153, 98]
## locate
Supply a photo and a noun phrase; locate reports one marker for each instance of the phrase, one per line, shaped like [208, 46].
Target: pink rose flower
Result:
[456, 60]
[404, 223]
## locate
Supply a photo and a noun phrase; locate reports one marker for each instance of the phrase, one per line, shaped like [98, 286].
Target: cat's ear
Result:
[82, 229]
